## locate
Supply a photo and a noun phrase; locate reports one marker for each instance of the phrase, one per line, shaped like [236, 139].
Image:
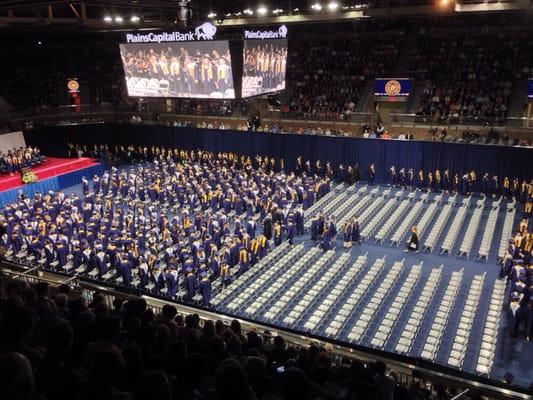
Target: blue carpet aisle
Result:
[356, 295]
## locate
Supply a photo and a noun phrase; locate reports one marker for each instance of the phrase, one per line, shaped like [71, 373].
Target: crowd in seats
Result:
[469, 71]
[328, 71]
[17, 158]
[56, 345]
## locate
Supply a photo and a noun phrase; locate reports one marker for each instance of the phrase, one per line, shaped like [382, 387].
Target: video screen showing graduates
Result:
[265, 63]
[185, 69]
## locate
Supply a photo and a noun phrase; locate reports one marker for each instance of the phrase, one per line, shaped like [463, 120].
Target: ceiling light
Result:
[277, 11]
[107, 18]
[262, 10]
[333, 6]
[248, 12]
[134, 18]
[119, 19]
[316, 7]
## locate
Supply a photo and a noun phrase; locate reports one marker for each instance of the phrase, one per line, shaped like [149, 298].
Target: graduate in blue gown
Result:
[205, 289]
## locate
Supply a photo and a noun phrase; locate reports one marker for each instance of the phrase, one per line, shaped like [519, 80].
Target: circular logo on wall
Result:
[73, 85]
[393, 88]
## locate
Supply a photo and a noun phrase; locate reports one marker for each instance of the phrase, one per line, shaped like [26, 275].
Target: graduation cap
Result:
[515, 296]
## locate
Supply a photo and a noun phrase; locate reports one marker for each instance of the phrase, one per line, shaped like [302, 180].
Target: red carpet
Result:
[52, 167]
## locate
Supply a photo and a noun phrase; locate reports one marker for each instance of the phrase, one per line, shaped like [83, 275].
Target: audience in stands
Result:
[54, 344]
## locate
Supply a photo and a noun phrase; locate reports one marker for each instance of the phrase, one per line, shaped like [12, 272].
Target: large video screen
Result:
[265, 63]
[184, 69]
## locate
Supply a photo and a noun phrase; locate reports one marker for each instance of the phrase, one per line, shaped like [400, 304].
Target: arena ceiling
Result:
[128, 14]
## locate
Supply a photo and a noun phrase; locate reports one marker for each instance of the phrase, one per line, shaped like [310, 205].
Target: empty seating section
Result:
[462, 334]
[326, 200]
[412, 327]
[387, 226]
[276, 281]
[245, 280]
[470, 235]
[263, 279]
[388, 322]
[490, 331]
[408, 221]
[363, 321]
[434, 234]
[377, 220]
[301, 285]
[349, 306]
[423, 224]
[440, 321]
[507, 230]
[453, 231]
[488, 233]
[314, 293]
[324, 308]
[363, 202]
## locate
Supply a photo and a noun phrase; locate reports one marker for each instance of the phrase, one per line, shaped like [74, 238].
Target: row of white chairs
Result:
[348, 307]
[363, 203]
[426, 218]
[488, 233]
[350, 203]
[262, 279]
[416, 317]
[391, 221]
[324, 201]
[244, 280]
[438, 226]
[329, 207]
[324, 308]
[408, 221]
[316, 290]
[471, 231]
[299, 286]
[279, 282]
[490, 331]
[453, 231]
[331, 198]
[507, 230]
[440, 321]
[388, 322]
[367, 316]
[369, 211]
[462, 334]
[377, 220]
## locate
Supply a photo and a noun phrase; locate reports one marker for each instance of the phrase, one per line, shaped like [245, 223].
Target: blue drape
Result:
[458, 158]
[56, 183]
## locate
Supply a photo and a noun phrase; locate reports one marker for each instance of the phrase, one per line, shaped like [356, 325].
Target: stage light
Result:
[107, 18]
[211, 15]
[248, 12]
[316, 7]
[444, 3]
[262, 10]
[134, 19]
[119, 19]
[333, 6]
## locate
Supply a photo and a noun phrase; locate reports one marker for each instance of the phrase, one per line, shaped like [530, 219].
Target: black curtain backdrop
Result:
[458, 158]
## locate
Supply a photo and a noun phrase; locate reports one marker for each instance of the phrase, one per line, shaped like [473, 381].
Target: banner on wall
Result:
[530, 90]
[392, 89]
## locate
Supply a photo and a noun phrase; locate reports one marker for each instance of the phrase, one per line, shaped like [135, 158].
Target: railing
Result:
[414, 120]
[408, 368]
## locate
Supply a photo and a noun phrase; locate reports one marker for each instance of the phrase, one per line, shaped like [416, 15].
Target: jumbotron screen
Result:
[184, 69]
[265, 64]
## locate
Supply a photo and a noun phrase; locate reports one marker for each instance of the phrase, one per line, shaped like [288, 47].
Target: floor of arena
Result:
[443, 305]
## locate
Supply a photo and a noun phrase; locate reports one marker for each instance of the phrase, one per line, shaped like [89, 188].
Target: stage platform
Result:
[55, 174]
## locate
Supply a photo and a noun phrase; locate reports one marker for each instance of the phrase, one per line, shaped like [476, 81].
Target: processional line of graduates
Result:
[517, 267]
[187, 218]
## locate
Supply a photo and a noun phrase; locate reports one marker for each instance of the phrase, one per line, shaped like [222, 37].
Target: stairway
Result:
[518, 99]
